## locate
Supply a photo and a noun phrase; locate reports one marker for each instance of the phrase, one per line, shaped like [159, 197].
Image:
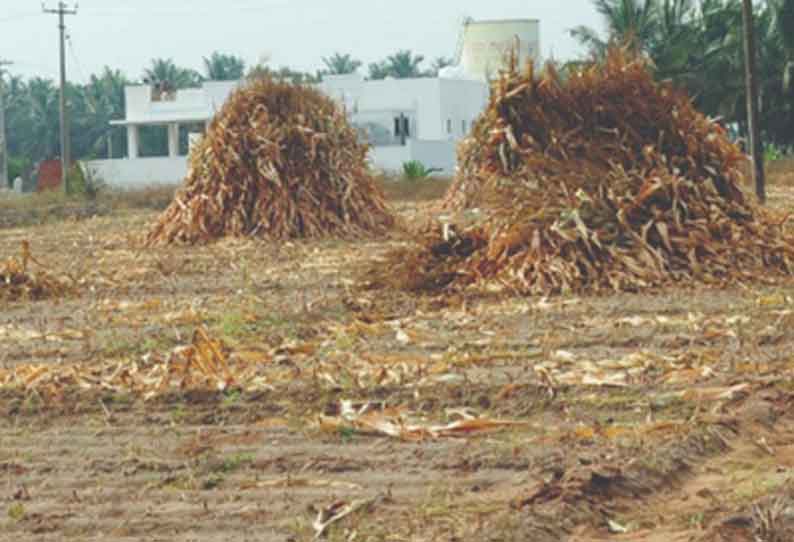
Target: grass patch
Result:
[155, 198]
[16, 512]
[236, 462]
[21, 210]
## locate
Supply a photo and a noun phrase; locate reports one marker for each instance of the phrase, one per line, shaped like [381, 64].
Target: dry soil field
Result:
[666, 416]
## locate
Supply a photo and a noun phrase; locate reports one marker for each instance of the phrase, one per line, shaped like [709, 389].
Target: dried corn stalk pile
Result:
[18, 281]
[279, 161]
[604, 181]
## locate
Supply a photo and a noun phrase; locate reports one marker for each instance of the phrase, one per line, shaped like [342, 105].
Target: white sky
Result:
[296, 33]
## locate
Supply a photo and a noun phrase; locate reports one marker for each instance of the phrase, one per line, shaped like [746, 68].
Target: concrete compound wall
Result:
[139, 172]
[142, 172]
[433, 154]
[436, 154]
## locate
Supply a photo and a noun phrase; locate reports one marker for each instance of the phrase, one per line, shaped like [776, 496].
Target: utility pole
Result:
[751, 76]
[3, 141]
[63, 10]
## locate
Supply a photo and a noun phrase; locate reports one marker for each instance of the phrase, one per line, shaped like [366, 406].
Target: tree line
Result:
[695, 43]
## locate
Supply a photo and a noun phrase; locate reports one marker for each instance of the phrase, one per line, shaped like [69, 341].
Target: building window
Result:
[449, 126]
[402, 128]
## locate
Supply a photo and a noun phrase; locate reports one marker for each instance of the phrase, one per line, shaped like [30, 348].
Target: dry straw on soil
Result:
[279, 161]
[19, 282]
[599, 181]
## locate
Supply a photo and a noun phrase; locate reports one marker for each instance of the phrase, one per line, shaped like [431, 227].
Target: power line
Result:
[76, 60]
[175, 13]
[62, 10]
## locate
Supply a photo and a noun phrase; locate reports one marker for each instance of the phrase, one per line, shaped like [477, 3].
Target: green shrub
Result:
[416, 170]
[18, 167]
[82, 183]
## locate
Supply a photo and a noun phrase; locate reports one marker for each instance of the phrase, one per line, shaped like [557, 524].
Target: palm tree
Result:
[630, 22]
[104, 101]
[676, 39]
[404, 64]
[379, 70]
[339, 64]
[166, 76]
[18, 118]
[401, 65]
[43, 141]
[223, 67]
[439, 64]
[785, 29]
[284, 73]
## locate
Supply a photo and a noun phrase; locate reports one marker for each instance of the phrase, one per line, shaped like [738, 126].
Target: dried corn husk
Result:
[603, 181]
[279, 161]
[19, 282]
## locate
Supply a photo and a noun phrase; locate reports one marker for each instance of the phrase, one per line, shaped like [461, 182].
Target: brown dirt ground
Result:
[667, 415]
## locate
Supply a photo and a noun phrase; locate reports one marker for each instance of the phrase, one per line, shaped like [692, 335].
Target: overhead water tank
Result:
[485, 45]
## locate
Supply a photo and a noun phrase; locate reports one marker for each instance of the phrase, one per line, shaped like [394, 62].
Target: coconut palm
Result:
[379, 70]
[630, 22]
[404, 64]
[103, 99]
[167, 76]
[44, 111]
[223, 67]
[785, 29]
[439, 64]
[401, 65]
[339, 64]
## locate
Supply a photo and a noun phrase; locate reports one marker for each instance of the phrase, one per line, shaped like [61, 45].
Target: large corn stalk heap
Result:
[279, 161]
[604, 180]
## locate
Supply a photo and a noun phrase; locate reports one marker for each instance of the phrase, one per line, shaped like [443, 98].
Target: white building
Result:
[485, 45]
[410, 119]
[404, 120]
[173, 112]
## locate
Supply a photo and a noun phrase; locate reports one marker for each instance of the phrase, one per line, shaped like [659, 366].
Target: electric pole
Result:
[62, 10]
[751, 76]
[3, 141]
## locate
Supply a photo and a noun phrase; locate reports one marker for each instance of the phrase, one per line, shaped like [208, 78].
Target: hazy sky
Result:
[297, 33]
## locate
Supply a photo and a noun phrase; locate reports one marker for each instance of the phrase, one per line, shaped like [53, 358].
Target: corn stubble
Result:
[279, 161]
[19, 282]
[602, 181]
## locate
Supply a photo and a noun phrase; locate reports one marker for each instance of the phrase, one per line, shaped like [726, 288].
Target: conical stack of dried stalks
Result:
[279, 161]
[604, 180]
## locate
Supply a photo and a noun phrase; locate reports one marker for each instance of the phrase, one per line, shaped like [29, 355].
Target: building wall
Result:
[428, 102]
[194, 103]
[419, 95]
[462, 100]
[486, 44]
[140, 172]
[48, 176]
[390, 159]
[380, 101]
[433, 154]
[436, 154]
